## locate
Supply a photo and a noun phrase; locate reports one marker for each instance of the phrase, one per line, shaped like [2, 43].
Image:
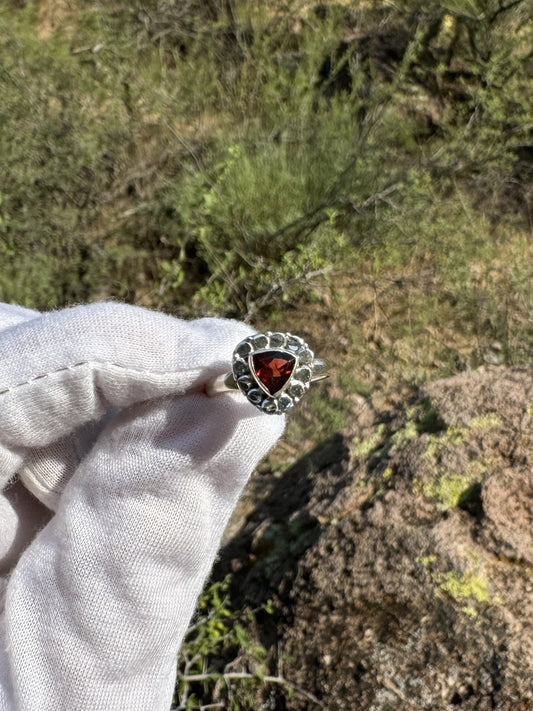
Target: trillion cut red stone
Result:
[273, 369]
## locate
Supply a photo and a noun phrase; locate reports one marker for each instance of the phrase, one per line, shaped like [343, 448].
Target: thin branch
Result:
[283, 284]
[204, 707]
[236, 676]
[201, 622]
[503, 8]
[318, 215]
[233, 616]
[189, 150]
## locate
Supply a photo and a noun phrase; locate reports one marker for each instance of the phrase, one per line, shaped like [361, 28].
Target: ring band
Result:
[273, 370]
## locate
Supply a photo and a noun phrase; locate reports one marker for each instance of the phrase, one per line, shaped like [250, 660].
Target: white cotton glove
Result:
[103, 415]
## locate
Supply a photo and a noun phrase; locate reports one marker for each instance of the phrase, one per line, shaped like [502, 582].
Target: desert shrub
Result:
[237, 158]
[71, 119]
[311, 170]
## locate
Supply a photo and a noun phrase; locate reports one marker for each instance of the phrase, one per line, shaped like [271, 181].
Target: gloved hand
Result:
[103, 416]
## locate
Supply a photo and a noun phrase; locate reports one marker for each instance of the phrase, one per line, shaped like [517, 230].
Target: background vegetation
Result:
[358, 172]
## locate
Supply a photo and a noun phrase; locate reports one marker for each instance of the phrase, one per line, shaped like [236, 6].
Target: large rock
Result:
[401, 563]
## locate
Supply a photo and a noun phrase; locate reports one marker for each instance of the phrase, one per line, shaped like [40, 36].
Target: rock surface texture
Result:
[400, 560]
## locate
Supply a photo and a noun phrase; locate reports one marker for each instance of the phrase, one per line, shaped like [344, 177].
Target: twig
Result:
[235, 676]
[189, 150]
[201, 622]
[284, 283]
[218, 705]
[503, 8]
[389, 684]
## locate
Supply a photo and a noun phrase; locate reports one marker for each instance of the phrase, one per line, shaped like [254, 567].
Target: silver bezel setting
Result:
[249, 384]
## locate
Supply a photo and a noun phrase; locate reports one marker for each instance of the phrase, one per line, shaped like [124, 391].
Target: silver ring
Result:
[273, 370]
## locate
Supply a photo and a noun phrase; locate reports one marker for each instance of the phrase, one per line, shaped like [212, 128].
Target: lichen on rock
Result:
[403, 576]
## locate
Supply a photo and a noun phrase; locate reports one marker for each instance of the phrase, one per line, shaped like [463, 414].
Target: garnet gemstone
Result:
[273, 369]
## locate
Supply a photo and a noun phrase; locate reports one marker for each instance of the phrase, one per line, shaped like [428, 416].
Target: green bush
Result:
[213, 157]
[254, 153]
[218, 636]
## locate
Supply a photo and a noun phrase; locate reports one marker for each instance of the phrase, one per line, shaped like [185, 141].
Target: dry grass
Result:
[56, 15]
